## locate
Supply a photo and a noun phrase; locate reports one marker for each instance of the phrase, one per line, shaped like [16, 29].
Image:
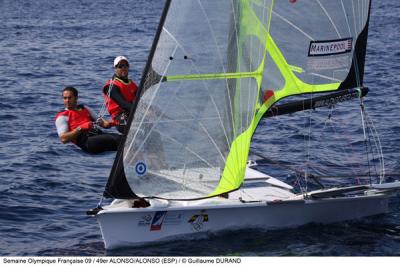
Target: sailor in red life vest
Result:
[76, 124]
[120, 93]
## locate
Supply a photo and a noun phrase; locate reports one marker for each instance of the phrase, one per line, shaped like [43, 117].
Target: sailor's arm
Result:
[106, 123]
[101, 121]
[70, 135]
[73, 134]
[63, 131]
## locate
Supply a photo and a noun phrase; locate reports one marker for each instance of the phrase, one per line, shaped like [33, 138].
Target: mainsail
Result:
[315, 46]
[214, 69]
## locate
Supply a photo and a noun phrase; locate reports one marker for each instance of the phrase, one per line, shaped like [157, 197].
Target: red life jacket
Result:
[127, 90]
[76, 117]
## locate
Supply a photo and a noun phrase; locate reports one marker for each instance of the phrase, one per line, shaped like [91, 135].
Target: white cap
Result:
[118, 59]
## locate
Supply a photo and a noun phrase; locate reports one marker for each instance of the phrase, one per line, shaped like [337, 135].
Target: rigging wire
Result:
[378, 146]
[349, 149]
[372, 148]
[365, 138]
[104, 107]
[308, 151]
[381, 158]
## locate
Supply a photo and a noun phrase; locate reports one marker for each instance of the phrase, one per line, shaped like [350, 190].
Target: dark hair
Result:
[71, 89]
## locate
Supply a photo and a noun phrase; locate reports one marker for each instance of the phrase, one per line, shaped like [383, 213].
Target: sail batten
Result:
[213, 76]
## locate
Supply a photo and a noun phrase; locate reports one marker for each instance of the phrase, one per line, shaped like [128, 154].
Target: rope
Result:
[365, 138]
[378, 146]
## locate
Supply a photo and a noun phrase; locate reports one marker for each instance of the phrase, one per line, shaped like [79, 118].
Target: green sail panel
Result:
[191, 132]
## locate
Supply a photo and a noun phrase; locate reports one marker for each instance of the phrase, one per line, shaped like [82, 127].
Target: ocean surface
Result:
[46, 187]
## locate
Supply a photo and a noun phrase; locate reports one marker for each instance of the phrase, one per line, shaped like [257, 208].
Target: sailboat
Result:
[215, 69]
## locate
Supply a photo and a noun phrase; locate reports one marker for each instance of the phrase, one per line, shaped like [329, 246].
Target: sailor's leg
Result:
[101, 143]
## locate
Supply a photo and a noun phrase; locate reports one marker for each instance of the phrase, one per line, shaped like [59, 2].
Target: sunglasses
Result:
[122, 66]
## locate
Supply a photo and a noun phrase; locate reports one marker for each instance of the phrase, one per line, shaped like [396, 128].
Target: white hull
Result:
[128, 227]
[270, 206]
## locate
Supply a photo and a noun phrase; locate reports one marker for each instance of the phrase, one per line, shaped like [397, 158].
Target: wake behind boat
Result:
[216, 68]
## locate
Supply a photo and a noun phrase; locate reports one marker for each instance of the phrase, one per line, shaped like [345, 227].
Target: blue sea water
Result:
[46, 187]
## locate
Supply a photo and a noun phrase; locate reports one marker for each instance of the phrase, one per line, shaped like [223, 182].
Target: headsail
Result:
[191, 130]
